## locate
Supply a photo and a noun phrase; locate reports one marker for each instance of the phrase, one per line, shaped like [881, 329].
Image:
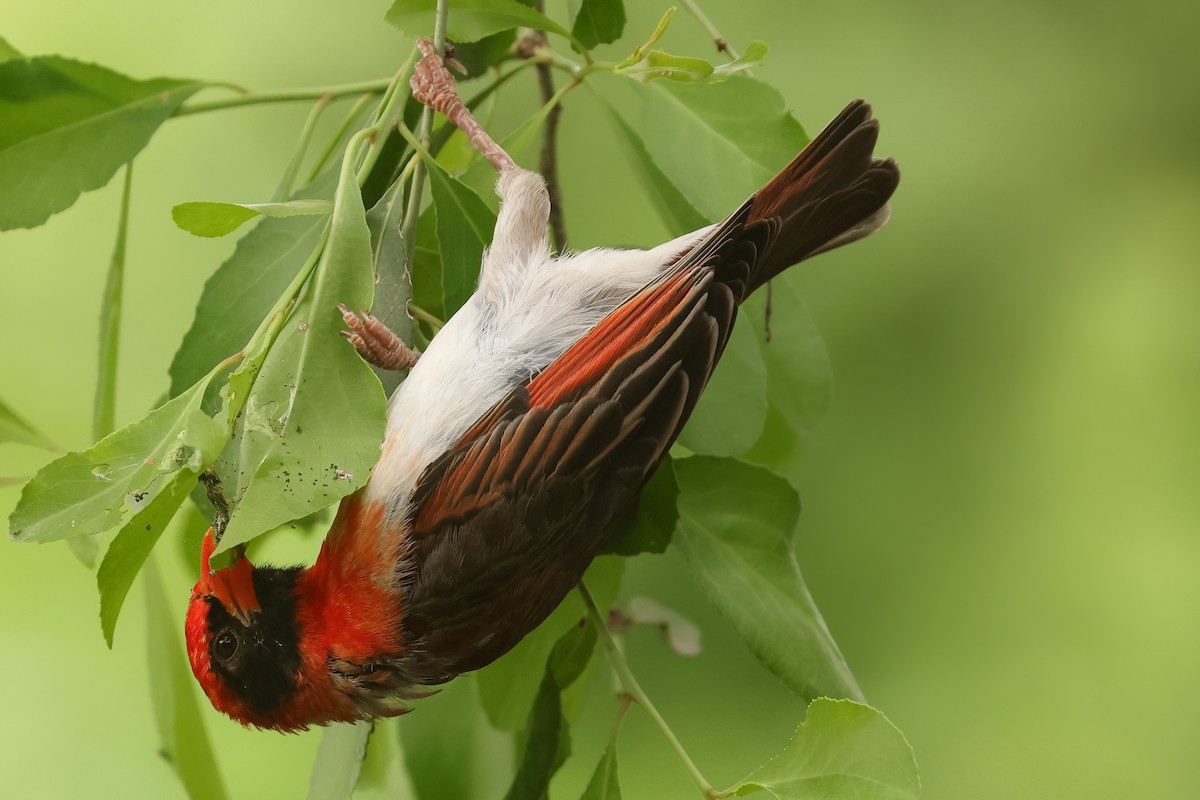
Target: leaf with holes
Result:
[102, 487]
[310, 430]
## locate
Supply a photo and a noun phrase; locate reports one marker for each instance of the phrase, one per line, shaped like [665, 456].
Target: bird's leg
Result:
[520, 235]
[375, 342]
[433, 85]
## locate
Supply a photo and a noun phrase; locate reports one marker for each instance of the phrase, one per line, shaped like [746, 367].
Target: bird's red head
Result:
[270, 650]
[243, 641]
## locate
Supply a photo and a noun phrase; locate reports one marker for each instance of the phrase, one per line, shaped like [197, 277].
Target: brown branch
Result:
[767, 310]
[548, 163]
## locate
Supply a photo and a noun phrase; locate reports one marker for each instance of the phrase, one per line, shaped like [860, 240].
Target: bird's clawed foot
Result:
[433, 85]
[375, 342]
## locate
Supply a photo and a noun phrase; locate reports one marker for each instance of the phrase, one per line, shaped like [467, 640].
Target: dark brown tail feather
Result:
[833, 193]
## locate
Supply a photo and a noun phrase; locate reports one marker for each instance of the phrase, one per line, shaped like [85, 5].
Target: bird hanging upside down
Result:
[519, 442]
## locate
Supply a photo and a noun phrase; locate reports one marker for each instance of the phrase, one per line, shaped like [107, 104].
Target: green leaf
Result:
[339, 759]
[129, 549]
[843, 751]
[735, 527]
[104, 403]
[245, 287]
[478, 56]
[185, 743]
[677, 68]
[427, 266]
[718, 144]
[464, 229]
[382, 776]
[217, 219]
[752, 56]
[508, 686]
[547, 741]
[640, 51]
[675, 210]
[102, 487]
[689, 69]
[731, 412]
[650, 531]
[393, 280]
[14, 428]
[469, 20]
[310, 431]
[799, 377]
[66, 127]
[448, 746]
[7, 51]
[596, 22]
[103, 408]
[604, 784]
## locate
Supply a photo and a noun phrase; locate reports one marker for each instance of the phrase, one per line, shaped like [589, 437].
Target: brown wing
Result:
[506, 522]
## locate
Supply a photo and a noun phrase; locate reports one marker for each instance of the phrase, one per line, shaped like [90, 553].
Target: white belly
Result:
[496, 342]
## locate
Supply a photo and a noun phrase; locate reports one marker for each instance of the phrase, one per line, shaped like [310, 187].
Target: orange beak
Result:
[233, 585]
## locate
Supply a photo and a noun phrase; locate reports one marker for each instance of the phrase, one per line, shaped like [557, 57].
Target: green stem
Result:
[389, 112]
[412, 213]
[286, 96]
[293, 289]
[103, 409]
[271, 324]
[355, 110]
[288, 180]
[104, 403]
[422, 315]
[634, 690]
[269, 327]
[547, 55]
[721, 42]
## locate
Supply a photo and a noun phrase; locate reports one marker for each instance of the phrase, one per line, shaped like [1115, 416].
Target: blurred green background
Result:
[1000, 512]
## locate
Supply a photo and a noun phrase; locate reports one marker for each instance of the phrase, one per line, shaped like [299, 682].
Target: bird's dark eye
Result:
[225, 646]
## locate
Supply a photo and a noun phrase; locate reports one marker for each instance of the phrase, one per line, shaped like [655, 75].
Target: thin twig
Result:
[285, 96]
[548, 163]
[408, 228]
[767, 311]
[422, 315]
[355, 110]
[389, 111]
[723, 46]
[720, 41]
[287, 182]
[631, 687]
